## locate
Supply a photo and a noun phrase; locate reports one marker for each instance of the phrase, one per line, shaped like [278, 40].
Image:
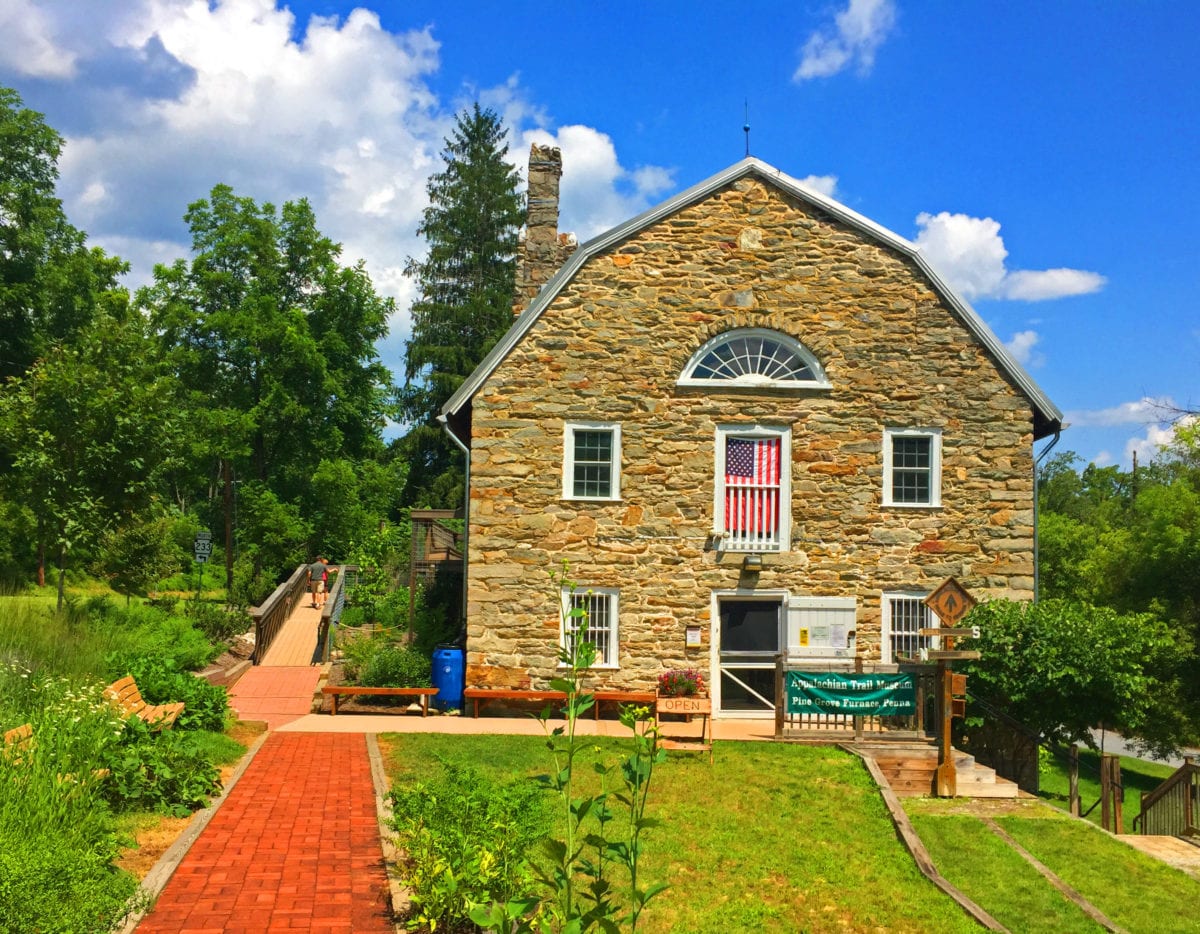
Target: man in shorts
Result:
[316, 581]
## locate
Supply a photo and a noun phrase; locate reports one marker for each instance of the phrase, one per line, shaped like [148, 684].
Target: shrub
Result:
[218, 623]
[161, 682]
[396, 667]
[161, 771]
[465, 838]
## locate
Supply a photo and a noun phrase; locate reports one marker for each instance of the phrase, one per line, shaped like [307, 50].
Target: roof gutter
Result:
[466, 509]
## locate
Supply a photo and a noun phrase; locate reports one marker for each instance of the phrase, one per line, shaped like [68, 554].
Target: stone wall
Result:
[611, 347]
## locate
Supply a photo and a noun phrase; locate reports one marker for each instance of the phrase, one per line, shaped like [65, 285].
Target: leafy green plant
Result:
[160, 681]
[396, 666]
[466, 839]
[582, 892]
[218, 623]
[161, 771]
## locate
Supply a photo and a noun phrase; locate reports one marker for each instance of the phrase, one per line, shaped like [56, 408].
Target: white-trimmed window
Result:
[592, 460]
[754, 357]
[912, 467]
[600, 608]
[752, 505]
[904, 616]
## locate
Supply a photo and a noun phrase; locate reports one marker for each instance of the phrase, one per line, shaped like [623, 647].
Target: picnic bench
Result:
[124, 694]
[475, 695]
[334, 691]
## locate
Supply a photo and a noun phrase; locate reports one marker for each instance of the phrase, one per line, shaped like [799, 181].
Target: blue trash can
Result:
[449, 676]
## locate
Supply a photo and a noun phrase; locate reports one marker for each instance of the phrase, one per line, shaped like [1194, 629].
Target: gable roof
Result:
[1047, 416]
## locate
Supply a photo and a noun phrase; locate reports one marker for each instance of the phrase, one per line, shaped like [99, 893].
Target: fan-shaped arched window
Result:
[754, 357]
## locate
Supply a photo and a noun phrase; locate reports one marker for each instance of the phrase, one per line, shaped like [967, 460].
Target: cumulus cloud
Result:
[1149, 445]
[162, 99]
[851, 40]
[970, 253]
[29, 46]
[1022, 345]
[822, 184]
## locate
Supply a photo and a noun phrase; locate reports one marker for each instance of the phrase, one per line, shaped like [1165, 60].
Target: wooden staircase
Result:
[910, 768]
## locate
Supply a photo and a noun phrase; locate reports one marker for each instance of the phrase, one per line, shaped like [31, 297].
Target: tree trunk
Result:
[41, 564]
[227, 473]
[62, 576]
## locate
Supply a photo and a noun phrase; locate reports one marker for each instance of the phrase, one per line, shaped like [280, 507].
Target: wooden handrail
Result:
[332, 611]
[1188, 773]
[275, 610]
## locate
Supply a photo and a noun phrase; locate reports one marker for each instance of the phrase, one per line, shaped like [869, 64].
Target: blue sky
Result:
[1043, 155]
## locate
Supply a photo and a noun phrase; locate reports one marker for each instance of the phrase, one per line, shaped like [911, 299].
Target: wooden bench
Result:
[124, 694]
[342, 690]
[18, 741]
[475, 695]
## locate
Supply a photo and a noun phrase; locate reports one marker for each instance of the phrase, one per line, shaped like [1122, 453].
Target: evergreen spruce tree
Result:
[466, 282]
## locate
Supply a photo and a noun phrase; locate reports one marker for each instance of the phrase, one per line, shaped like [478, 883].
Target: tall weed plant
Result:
[592, 879]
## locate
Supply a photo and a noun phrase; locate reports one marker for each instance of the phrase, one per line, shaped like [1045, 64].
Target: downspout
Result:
[1037, 577]
[467, 510]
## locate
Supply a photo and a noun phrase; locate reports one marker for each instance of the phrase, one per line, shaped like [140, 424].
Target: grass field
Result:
[1137, 777]
[791, 838]
[767, 838]
[1137, 892]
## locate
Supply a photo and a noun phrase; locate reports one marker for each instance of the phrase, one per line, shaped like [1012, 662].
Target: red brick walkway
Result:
[295, 847]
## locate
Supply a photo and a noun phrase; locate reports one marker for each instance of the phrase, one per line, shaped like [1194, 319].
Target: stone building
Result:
[751, 420]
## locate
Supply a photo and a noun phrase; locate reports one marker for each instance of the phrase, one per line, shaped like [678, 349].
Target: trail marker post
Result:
[951, 603]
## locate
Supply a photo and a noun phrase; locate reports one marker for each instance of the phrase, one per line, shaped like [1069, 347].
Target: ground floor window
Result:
[904, 616]
[599, 606]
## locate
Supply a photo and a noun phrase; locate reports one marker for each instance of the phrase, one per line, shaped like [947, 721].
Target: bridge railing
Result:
[347, 574]
[275, 611]
[1173, 808]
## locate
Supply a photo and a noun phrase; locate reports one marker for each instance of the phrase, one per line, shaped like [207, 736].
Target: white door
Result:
[749, 638]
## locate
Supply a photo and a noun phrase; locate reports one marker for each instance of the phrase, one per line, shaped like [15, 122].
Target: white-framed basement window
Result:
[754, 357]
[912, 467]
[592, 460]
[601, 607]
[752, 502]
[904, 616]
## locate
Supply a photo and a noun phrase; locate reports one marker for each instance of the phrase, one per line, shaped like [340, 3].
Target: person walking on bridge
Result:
[318, 574]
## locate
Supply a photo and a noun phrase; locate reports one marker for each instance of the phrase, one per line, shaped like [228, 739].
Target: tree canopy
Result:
[466, 284]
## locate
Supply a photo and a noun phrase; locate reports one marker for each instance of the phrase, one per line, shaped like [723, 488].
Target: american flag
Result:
[752, 486]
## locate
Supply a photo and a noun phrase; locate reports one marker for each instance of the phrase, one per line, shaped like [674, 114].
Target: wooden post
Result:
[1073, 781]
[947, 775]
[1105, 792]
[858, 720]
[1118, 793]
[780, 698]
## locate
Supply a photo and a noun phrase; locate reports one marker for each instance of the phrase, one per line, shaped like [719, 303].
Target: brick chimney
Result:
[543, 248]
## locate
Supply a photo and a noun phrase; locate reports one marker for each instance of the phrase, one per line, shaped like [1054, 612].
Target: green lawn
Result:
[1137, 892]
[767, 838]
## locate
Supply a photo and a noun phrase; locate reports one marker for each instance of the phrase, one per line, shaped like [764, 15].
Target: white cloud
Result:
[1149, 446]
[1148, 410]
[29, 46]
[175, 96]
[970, 253]
[822, 184]
[1021, 346]
[597, 192]
[851, 40]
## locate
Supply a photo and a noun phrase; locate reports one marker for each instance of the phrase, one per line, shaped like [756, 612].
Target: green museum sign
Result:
[863, 695]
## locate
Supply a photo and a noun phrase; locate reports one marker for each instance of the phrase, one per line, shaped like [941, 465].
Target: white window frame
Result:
[935, 465]
[726, 541]
[610, 658]
[886, 632]
[568, 484]
[818, 381]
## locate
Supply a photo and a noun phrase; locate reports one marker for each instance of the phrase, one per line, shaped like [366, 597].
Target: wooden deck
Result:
[296, 643]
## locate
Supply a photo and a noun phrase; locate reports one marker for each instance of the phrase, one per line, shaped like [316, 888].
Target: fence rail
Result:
[331, 614]
[1173, 808]
[275, 610]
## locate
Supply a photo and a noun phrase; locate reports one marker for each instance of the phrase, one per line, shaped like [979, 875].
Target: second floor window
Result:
[591, 461]
[752, 489]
